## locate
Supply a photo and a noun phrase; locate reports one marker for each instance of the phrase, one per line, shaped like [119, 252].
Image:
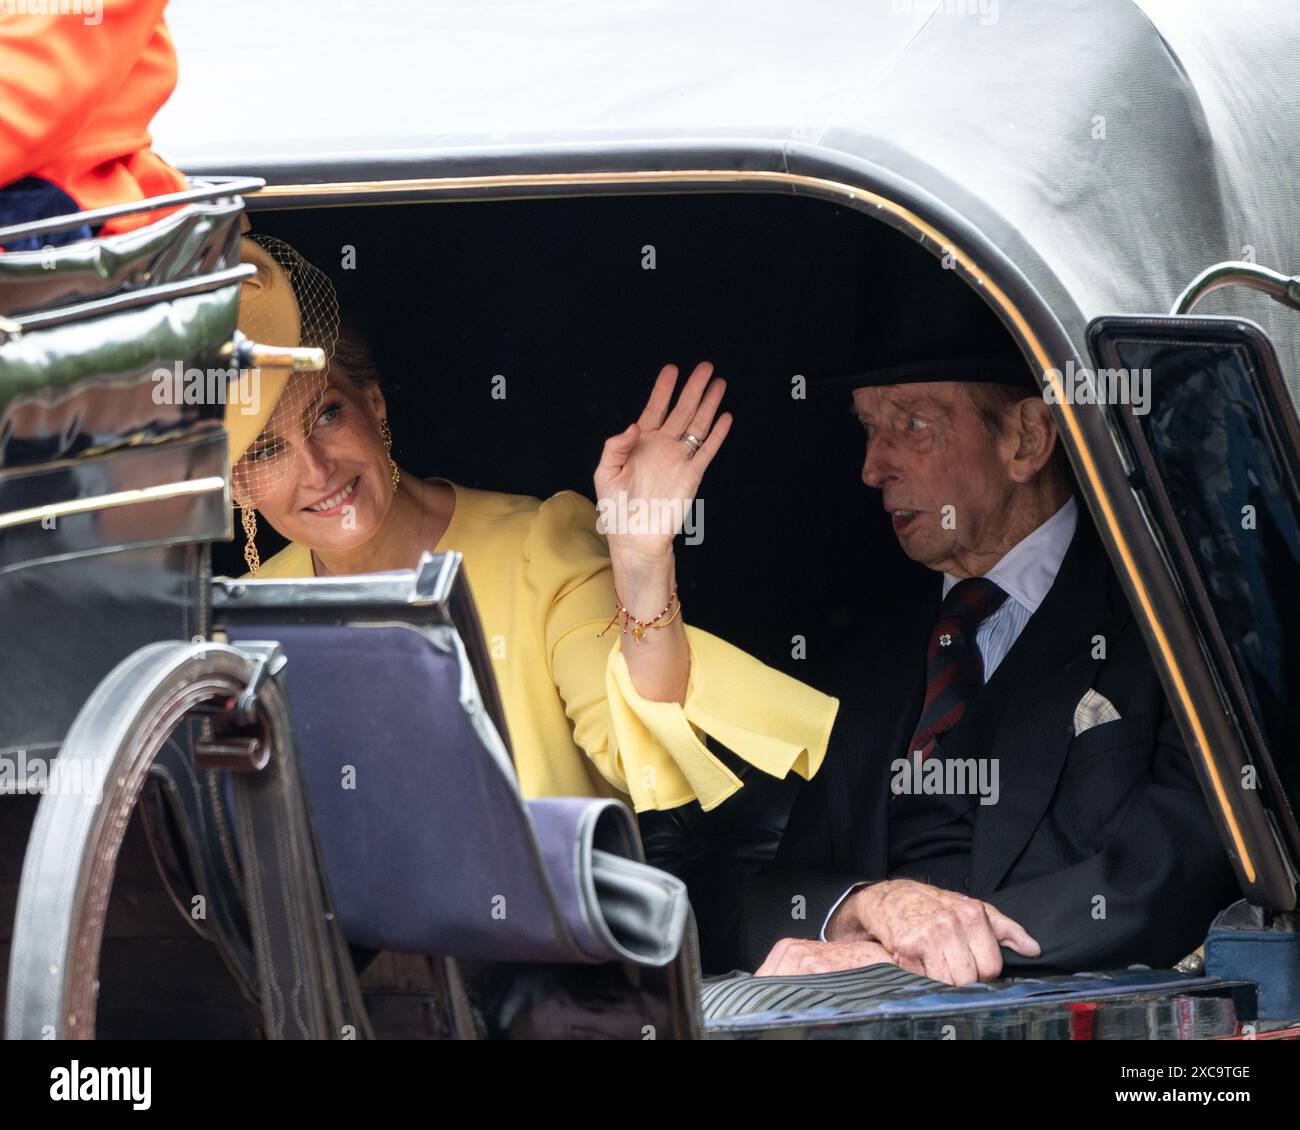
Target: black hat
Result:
[930, 325]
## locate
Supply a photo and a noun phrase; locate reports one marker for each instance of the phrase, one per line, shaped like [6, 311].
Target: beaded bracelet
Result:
[639, 627]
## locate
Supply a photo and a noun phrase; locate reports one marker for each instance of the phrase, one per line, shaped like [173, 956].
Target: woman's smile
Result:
[333, 503]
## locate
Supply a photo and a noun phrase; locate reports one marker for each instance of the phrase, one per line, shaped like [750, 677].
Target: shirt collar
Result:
[1027, 570]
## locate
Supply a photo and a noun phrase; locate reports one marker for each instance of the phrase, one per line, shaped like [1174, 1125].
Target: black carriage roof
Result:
[1110, 150]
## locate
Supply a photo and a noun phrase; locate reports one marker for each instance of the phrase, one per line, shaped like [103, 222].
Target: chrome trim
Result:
[148, 296]
[430, 584]
[110, 501]
[208, 188]
[1281, 288]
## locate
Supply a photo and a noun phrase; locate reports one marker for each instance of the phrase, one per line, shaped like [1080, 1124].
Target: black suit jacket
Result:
[1100, 845]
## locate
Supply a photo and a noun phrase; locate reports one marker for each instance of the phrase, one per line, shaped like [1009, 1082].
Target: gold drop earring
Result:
[248, 518]
[386, 434]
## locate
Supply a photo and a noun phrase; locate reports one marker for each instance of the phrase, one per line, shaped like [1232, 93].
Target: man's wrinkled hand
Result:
[940, 934]
[794, 956]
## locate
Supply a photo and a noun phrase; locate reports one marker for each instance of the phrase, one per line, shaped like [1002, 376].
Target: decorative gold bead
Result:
[248, 519]
[386, 434]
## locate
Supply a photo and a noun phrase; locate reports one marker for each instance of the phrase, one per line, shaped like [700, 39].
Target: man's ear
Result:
[1035, 433]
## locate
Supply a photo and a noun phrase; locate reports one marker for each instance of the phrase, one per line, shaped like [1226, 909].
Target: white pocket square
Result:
[1093, 710]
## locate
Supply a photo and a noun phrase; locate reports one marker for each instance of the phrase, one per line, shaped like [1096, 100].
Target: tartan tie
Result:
[954, 666]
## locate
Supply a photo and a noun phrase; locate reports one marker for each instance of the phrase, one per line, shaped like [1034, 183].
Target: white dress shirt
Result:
[1025, 573]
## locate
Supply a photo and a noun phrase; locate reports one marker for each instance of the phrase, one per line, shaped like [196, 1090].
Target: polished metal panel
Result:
[197, 241]
[170, 492]
[80, 592]
[78, 389]
[128, 339]
[66, 623]
[114, 371]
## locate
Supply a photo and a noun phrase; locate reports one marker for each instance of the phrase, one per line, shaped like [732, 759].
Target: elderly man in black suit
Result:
[1006, 787]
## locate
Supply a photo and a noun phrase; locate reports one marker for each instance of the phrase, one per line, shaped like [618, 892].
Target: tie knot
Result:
[972, 601]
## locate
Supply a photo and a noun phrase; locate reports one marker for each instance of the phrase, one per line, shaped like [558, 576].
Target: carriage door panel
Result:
[1213, 451]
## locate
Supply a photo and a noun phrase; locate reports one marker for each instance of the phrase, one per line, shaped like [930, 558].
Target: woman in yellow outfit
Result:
[590, 711]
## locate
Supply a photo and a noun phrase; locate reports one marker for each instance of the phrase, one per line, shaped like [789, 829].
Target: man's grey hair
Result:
[992, 399]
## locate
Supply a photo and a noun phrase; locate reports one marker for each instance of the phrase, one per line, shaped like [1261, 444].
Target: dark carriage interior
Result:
[553, 295]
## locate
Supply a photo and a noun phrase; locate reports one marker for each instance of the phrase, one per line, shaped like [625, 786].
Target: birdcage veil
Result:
[271, 456]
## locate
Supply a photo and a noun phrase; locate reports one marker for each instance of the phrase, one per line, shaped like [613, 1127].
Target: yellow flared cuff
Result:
[766, 718]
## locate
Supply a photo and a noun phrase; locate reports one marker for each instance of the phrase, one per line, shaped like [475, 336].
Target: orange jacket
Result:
[76, 99]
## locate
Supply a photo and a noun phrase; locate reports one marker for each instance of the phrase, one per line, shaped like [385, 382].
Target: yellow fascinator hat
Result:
[268, 313]
[288, 304]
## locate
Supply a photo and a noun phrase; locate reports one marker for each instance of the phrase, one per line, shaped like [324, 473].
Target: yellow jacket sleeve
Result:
[654, 751]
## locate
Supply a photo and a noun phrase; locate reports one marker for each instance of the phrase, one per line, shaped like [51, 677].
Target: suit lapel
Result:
[1036, 688]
